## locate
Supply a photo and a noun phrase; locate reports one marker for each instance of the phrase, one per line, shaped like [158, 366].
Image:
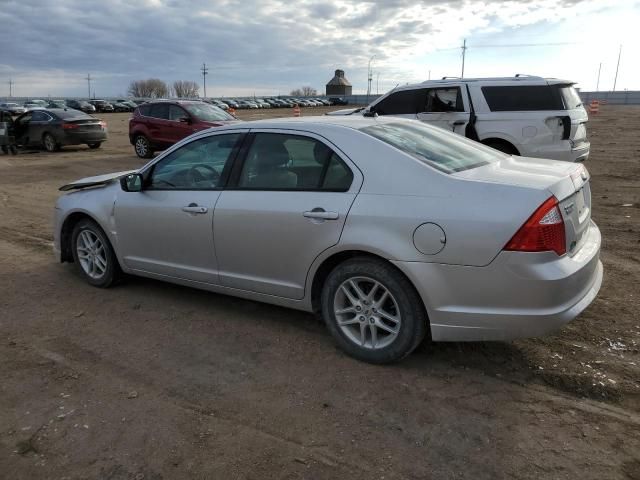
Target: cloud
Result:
[267, 46]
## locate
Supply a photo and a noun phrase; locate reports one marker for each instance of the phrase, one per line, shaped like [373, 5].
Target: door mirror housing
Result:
[131, 182]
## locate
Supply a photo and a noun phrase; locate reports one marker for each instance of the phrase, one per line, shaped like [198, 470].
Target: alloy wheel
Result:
[367, 313]
[141, 146]
[91, 254]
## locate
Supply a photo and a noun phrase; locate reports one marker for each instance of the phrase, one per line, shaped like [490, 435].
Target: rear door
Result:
[287, 202]
[159, 126]
[38, 125]
[446, 107]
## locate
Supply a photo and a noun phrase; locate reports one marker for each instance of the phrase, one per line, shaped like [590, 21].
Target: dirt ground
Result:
[154, 381]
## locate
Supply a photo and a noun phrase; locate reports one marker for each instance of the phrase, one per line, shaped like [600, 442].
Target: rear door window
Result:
[402, 103]
[159, 110]
[443, 100]
[521, 98]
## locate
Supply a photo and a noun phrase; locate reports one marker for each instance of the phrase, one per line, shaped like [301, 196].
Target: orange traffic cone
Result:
[594, 107]
[296, 110]
[231, 111]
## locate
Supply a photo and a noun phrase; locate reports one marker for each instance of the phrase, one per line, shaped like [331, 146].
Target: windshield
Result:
[570, 96]
[207, 112]
[445, 151]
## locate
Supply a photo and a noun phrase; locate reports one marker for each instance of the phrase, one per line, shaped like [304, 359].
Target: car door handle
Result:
[193, 208]
[321, 214]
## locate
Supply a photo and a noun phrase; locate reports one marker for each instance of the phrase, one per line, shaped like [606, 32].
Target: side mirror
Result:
[131, 182]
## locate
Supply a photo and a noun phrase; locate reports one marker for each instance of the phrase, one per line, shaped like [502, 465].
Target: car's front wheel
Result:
[94, 145]
[373, 311]
[93, 254]
[142, 147]
[49, 142]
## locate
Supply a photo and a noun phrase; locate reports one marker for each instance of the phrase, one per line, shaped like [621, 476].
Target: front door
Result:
[287, 203]
[445, 107]
[167, 228]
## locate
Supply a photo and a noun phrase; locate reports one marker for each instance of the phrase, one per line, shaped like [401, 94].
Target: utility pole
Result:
[378, 83]
[429, 75]
[11, 82]
[88, 79]
[205, 72]
[615, 80]
[598, 82]
[464, 52]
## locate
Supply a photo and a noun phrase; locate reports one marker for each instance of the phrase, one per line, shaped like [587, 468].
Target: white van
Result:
[521, 115]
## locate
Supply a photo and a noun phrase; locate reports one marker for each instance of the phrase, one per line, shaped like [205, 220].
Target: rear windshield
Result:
[445, 151]
[207, 112]
[570, 97]
[77, 114]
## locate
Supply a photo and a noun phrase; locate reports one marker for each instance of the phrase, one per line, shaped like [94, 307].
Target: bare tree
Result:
[304, 92]
[185, 89]
[150, 88]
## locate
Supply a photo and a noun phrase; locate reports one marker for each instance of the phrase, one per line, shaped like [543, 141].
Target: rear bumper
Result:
[517, 295]
[73, 138]
[565, 151]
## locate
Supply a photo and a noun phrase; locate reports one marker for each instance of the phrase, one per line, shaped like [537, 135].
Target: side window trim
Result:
[234, 179]
[147, 171]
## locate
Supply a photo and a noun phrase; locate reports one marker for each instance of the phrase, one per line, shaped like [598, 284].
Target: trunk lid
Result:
[568, 182]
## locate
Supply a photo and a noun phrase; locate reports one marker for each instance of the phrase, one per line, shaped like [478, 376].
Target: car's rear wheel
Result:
[142, 147]
[94, 145]
[49, 143]
[373, 311]
[5, 149]
[93, 254]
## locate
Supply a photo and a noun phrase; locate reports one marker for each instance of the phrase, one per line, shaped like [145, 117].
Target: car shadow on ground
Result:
[500, 359]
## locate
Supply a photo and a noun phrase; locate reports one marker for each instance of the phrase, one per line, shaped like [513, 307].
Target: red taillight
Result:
[69, 126]
[543, 232]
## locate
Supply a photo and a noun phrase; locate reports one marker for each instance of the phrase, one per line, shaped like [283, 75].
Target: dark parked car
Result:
[102, 105]
[231, 103]
[12, 108]
[57, 104]
[338, 101]
[54, 127]
[121, 107]
[81, 105]
[158, 125]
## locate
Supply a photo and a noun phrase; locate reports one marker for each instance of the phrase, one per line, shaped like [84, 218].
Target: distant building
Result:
[338, 85]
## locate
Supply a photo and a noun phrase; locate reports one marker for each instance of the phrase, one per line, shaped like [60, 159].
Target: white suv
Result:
[521, 115]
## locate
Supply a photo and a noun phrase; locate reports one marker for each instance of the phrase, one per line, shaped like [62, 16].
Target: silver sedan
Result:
[390, 229]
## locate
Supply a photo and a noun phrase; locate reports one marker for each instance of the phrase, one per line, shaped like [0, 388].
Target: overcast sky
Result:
[47, 47]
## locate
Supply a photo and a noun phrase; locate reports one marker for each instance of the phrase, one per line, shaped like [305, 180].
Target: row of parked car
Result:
[87, 106]
[289, 102]
[129, 105]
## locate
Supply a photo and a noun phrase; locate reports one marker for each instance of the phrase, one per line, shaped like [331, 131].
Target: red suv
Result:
[158, 125]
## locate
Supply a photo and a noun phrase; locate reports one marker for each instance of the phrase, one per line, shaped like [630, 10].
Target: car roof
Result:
[311, 123]
[524, 79]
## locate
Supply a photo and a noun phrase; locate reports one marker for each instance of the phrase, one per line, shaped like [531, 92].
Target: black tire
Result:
[414, 321]
[95, 145]
[50, 143]
[142, 146]
[5, 149]
[112, 273]
[503, 147]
